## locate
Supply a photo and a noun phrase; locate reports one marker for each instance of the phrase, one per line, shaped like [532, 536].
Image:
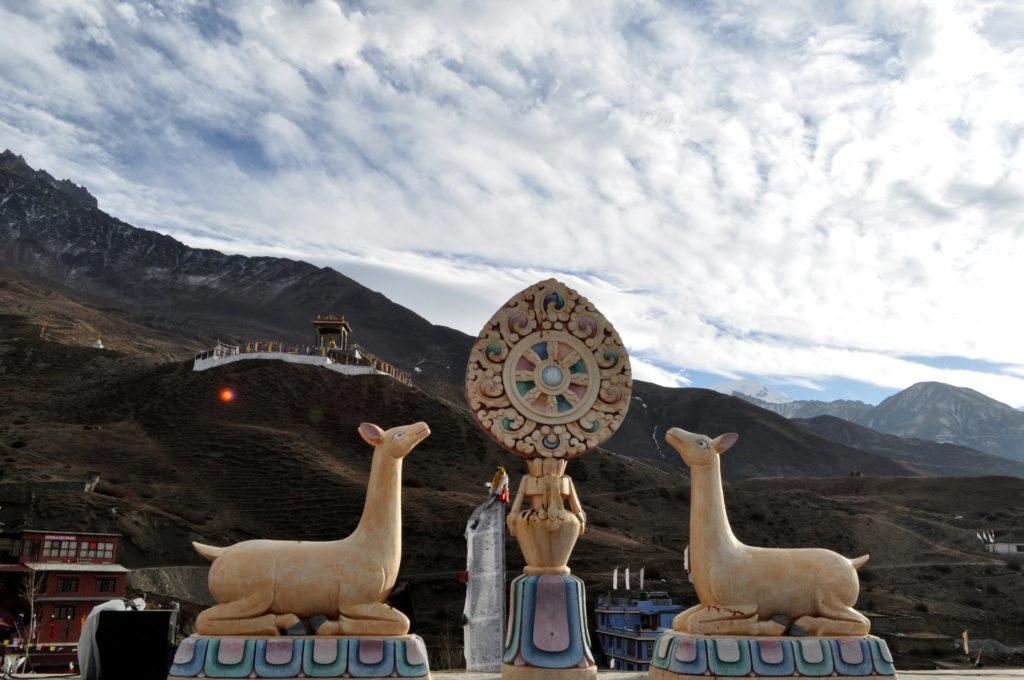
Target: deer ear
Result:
[371, 434]
[724, 442]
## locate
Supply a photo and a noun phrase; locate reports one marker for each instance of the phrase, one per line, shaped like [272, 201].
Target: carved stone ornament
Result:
[548, 375]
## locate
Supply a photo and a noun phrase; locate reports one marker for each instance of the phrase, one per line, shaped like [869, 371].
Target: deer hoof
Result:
[287, 621]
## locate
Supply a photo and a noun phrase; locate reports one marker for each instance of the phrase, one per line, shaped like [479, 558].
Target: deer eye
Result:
[399, 435]
[702, 444]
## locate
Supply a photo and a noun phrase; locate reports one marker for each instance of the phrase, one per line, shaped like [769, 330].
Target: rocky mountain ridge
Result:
[199, 293]
[928, 410]
[924, 456]
[16, 165]
[847, 409]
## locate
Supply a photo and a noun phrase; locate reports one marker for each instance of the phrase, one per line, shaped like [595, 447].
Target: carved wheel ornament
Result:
[548, 375]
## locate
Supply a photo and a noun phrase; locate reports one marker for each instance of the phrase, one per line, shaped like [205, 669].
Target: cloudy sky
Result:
[826, 196]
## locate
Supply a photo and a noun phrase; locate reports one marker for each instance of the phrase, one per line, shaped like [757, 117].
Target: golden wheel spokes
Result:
[553, 350]
[570, 360]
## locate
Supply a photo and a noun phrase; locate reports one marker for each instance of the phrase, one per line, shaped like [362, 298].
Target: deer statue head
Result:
[699, 450]
[396, 442]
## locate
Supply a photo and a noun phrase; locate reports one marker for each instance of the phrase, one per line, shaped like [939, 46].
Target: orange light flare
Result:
[226, 395]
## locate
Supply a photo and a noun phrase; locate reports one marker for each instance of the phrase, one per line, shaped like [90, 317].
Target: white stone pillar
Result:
[484, 613]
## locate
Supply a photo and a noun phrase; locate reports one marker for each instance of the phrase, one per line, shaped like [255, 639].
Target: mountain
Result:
[200, 295]
[16, 165]
[769, 445]
[64, 316]
[929, 410]
[847, 409]
[923, 456]
[48, 231]
[948, 414]
[753, 390]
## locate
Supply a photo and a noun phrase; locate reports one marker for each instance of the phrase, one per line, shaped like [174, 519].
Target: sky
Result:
[827, 197]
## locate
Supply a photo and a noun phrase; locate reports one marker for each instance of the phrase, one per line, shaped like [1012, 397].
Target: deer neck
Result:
[710, 533]
[381, 522]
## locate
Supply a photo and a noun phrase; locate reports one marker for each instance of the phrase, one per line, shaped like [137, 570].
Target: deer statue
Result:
[262, 587]
[741, 587]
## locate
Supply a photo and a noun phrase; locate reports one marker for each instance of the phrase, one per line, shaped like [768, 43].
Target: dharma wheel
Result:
[548, 375]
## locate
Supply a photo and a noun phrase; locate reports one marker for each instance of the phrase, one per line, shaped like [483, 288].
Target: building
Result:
[331, 349]
[332, 332]
[72, 572]
[628, 623]
[1009, 545]
[1003, 548]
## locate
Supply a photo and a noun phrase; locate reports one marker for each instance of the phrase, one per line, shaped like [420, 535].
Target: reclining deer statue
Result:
[263, 587]
[741, 587]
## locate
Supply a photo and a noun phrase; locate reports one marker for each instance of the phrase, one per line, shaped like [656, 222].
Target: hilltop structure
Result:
[332, 333]
[330, 350]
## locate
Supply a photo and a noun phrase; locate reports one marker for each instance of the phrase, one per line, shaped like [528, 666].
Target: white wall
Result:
[314, 360]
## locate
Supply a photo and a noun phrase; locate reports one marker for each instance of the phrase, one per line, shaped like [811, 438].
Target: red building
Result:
[74, 571]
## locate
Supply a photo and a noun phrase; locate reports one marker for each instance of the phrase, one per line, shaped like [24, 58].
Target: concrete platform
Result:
[981, 674]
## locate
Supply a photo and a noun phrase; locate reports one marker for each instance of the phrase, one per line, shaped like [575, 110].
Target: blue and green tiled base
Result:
[681, 655]
[287, 658]
[547, 629]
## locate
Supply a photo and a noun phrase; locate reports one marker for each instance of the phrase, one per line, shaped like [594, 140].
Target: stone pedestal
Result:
[288, 658]
[547, 633]
[679, 656]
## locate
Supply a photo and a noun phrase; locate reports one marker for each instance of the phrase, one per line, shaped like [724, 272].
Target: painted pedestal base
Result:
[678, 656]
[547, 636]
[286, 658]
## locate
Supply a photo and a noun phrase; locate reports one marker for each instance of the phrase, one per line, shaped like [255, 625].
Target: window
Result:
[53, 548]
[96, 549]
[63, 611]
[106, 584]
[67, 584]
[1020, 547]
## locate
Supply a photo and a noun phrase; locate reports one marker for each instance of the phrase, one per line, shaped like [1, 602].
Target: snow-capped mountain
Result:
[752, 388]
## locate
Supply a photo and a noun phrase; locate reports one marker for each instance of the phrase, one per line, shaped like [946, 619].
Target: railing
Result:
[260, 347]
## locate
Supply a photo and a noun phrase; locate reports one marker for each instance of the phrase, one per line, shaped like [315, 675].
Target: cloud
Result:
[801, 191]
